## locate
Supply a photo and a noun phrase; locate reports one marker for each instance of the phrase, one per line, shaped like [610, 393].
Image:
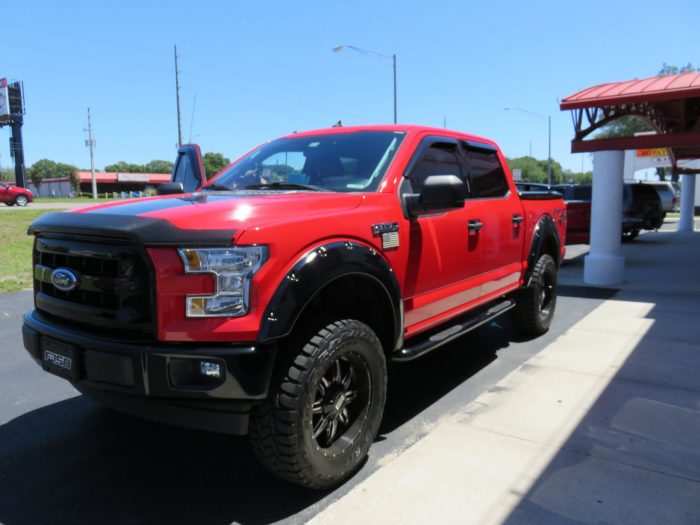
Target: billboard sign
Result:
[652, 152]
[132, 177]
[4, 98]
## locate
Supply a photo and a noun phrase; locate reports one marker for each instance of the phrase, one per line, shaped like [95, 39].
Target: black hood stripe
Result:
[154, 205]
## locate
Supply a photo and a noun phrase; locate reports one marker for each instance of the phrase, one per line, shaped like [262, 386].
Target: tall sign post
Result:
[12, 114]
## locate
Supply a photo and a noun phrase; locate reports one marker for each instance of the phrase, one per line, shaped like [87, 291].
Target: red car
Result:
[269, 302]
[13, 195]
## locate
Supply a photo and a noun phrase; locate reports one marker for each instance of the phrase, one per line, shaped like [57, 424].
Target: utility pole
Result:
[91, 144]
[177, 98]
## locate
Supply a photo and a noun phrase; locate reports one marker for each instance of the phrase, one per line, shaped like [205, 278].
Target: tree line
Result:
[212, 162]
[535, 170]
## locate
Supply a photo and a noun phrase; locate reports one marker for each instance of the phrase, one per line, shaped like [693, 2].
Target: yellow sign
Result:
[652, 152]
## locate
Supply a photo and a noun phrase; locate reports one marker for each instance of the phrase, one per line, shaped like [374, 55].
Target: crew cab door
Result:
[495, 204]
[443, 258]
[188, 169]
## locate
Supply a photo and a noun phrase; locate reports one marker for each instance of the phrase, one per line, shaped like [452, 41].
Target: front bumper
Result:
[159, 381]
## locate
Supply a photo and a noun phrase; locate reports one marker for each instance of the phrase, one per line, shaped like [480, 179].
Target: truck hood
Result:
[226, 211]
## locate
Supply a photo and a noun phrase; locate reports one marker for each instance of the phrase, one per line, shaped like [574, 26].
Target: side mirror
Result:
[170, 188]
[439, 193]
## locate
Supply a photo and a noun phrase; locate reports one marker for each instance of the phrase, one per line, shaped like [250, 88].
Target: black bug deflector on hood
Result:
[143, 230]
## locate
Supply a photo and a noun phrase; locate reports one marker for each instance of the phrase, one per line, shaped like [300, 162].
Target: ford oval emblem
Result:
[64, 280]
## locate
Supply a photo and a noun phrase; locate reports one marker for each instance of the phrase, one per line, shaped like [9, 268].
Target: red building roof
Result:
[670, 104]
[654, 89]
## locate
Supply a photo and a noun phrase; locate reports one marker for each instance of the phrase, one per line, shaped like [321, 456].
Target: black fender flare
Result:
[317, 268]
[545, 229]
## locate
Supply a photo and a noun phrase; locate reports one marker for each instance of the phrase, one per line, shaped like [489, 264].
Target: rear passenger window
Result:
[440, 158]
[583, 193]
[486, 176]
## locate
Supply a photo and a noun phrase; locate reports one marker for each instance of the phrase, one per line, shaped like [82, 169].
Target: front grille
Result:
[112, 292]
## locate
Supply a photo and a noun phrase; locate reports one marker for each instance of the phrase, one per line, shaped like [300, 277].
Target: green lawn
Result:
[16, 249]
[75, 199]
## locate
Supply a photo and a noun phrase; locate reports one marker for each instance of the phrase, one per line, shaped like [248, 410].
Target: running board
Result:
[409, 353]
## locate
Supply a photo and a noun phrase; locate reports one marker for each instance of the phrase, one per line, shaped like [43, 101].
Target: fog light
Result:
[209, 369]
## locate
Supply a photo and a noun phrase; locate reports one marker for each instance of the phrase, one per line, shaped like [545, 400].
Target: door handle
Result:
[517, 219]
[475, 225]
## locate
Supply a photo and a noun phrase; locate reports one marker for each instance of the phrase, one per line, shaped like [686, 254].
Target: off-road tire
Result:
[535, 306]
[630, 235]
[282, 429]
[21, 200]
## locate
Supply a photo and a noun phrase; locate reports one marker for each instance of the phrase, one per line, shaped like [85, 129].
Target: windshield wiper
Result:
[284, 186]
[217, 187]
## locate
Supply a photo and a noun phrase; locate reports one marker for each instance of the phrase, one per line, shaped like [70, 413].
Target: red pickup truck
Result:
[269, 301]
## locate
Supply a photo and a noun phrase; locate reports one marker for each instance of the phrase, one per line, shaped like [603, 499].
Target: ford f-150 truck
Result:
[269, 300]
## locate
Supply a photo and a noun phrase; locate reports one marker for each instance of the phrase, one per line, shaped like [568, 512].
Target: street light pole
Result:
[549, 149]
[549, 138]
[382, 55]
[394, 57]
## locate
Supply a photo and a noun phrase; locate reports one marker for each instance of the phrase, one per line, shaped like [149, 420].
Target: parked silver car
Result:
[669, 194]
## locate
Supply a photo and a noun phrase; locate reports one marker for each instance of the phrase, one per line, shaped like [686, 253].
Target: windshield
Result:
[337, 162]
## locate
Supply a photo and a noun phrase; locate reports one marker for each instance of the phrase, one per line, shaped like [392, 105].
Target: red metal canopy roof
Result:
[654, 89]
[670, 104]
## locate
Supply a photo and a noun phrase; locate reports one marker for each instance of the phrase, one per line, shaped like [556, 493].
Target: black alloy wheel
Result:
[324, 412]
[536, 303]
[341, 403]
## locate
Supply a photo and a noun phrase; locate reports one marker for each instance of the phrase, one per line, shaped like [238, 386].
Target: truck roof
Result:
[405, 128]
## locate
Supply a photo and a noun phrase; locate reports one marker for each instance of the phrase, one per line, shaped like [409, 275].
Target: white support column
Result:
[686, 224]
[605, 266]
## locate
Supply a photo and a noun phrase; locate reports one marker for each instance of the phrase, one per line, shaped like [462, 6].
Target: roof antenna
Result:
[194, 106]
[338, 124]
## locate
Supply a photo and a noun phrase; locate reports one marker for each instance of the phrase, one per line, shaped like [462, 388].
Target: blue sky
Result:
[252, 71]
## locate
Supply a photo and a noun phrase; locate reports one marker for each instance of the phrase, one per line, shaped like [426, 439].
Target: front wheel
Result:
[21, 200]
[535, 306]
[316, 428]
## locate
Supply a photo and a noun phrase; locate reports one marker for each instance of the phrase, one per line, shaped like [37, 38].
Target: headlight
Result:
[233, 269]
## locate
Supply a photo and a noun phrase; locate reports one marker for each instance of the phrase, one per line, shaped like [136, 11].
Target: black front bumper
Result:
[161, 381]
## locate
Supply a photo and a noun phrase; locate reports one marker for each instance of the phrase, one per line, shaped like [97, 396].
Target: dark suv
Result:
[641, 209]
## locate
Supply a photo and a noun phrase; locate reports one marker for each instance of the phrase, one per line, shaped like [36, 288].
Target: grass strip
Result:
[16, 249]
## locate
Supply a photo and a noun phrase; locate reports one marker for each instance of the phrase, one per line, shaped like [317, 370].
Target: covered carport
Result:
[671, 105]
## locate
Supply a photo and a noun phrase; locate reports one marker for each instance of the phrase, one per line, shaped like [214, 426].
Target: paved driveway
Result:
[66, 460]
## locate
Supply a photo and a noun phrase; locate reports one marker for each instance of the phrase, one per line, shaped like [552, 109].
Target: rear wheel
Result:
[21, 200]
[316, 428]
[630, 235]
[536, 304]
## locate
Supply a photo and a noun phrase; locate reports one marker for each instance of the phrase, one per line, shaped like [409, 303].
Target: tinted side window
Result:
[583, 193]
[486, 175]
[643, 190]
[440, 158]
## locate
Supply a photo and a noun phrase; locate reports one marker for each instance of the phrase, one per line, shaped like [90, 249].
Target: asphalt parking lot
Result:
[624, 454]
[65, 460]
